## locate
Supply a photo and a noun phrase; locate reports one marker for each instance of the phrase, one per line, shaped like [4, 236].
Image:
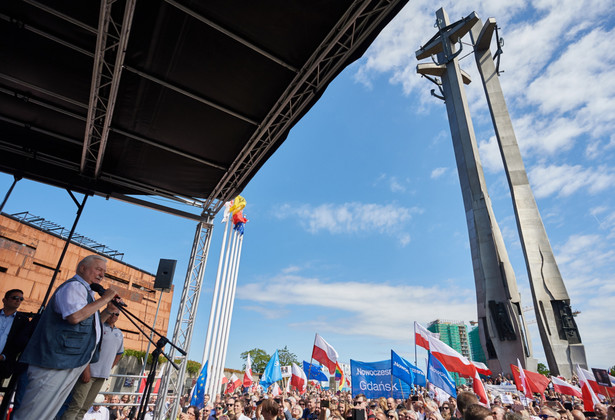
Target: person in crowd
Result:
[12, 324]
[95, 374]
[270, 410]
[192, 413]
[498, 412]
[577, 414]
[309, 413]
[476, 412]
[296, 412]
[115, 410]
[65, 340]
[445, 410]
[97, 411]
[392, 414]
[464, 400]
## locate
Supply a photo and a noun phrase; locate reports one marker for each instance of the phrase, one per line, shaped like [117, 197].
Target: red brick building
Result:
[29, 254]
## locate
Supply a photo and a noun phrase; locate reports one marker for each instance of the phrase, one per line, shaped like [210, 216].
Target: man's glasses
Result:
[19, 298]
[114, 314]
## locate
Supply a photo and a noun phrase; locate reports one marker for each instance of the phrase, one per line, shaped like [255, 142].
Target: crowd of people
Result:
[422, 405]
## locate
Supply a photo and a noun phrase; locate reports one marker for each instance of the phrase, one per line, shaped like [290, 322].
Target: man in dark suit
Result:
[12, 324]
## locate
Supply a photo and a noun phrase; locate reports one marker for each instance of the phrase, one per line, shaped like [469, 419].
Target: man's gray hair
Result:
[89, 260]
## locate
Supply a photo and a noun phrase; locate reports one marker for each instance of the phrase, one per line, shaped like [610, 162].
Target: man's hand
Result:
[85, 375]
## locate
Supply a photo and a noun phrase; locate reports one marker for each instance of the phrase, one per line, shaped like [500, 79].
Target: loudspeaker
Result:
[164, 275]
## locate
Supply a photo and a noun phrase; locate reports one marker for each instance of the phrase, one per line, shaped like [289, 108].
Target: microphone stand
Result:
[159, 350]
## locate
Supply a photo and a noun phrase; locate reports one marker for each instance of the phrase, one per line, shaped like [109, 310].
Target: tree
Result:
[543, 370]
[286, 357]
[259, 358]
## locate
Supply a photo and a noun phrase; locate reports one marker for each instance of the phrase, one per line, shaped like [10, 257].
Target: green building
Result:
[476, 349]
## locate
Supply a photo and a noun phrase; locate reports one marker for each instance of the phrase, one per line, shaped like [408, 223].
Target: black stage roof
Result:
[178, 99]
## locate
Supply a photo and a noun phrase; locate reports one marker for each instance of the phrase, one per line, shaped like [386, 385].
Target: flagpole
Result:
[401, 388]
[415, 362]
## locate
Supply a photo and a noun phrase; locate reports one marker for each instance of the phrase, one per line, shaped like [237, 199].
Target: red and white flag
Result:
[324, 353]
[422, 334]
[565, 388]
[479, 389]
[247, 376]
[525, 384]
[233, 384]
[450, 358]
[275, 391]
[298, 379]
[589, 396]
[481, 368]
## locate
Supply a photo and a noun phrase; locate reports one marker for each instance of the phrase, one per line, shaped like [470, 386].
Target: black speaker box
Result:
[164, 275]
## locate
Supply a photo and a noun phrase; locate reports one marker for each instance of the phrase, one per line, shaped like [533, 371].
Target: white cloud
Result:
[565, 180]
[438, 172]
[368, 309]
[490, 156]
[349, 218]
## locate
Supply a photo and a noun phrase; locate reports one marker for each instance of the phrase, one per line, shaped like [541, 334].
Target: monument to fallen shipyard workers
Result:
[502, 326]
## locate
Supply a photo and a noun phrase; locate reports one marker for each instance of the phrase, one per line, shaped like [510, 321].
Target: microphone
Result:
[101, 291]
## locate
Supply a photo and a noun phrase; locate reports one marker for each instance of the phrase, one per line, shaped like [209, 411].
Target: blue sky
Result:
[357, 226]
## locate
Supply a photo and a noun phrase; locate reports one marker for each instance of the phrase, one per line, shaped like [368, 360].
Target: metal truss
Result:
[358, 22]
[111, 45]
[172, 382]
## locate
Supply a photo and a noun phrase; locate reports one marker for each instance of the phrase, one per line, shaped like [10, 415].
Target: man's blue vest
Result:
[57, 344]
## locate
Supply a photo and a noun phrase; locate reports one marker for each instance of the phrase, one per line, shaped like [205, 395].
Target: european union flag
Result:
[314, 372]
[272, 371]
[198, 393]
[439, 376]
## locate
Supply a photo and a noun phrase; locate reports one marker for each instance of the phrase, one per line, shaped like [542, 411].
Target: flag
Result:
[338, 372]
[479, 389]
[298, 379]
[275, 391]
[247, 376]
[439, 376]
[565, 388]
[450, 358]
[272, 371]
[481, 368]
[314, 372]
[589, 397]
[422, 334]
[538, 383]
[198, 392]
[525, 385]
[324, 353]
[234, 382]
[402, 369]
[591, 380]
[338, 369]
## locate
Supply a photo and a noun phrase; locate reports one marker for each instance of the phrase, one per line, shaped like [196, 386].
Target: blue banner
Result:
[314, 372]
[439, 376]
[400, 368]
[272, 371]
[375, 380]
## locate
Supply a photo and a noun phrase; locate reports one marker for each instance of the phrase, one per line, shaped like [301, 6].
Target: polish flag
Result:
[591, 379]
[481, 368]
[276, 390]
[298, 379]
[565, 388]
[479, 389]
[589, 397]
[450, 358]
[234, 382]
[324, 353]
[247, 376]
[525, 384]
[422, 334]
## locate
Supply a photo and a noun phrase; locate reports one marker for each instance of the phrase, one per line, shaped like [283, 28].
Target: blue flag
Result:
[439, 376]
[198, 393]
[314, 372]
[273, 372]
[400, 368]
[419, 375]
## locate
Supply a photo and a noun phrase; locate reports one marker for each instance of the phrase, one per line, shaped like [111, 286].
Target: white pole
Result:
[214, 298]
[232, 297]
[211, 385]
[219, 367]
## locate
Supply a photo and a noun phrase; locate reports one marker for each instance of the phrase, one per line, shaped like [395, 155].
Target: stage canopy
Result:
[178, 99]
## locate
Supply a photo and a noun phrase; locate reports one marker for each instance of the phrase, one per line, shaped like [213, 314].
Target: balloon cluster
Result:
[236, 210]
